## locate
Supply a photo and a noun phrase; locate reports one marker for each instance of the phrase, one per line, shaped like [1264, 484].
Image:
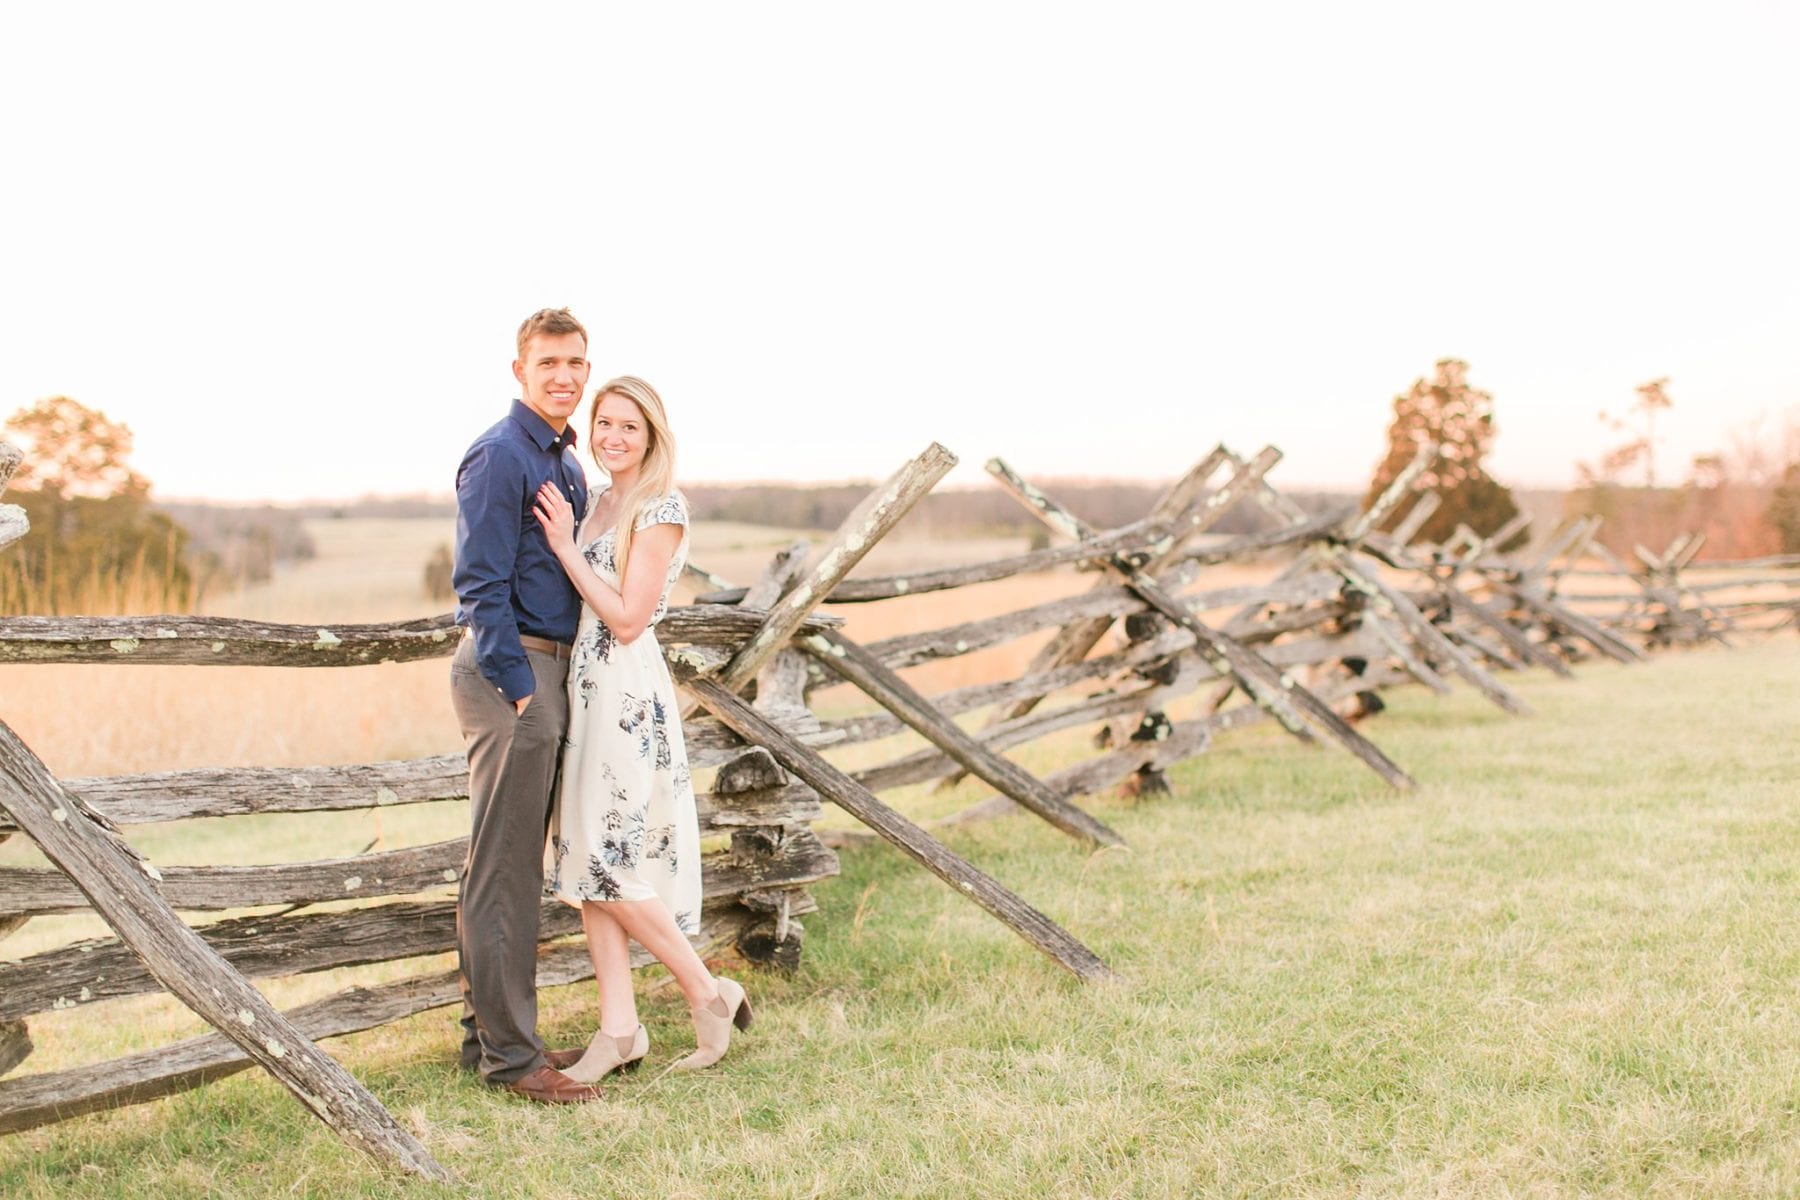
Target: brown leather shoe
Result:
[547, 1085]
[562, 1060]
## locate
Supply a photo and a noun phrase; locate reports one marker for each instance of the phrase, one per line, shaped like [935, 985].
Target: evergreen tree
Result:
[1460, 421]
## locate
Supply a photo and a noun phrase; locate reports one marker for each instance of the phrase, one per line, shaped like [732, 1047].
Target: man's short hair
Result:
[553, 321]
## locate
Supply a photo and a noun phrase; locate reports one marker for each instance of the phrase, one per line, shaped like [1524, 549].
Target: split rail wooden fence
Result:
[1311, 646]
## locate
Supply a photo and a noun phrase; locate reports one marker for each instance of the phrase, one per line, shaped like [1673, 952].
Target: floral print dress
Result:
[623, 827]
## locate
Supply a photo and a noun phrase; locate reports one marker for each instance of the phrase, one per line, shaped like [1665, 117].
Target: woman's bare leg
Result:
[649, 924]
[611, 956]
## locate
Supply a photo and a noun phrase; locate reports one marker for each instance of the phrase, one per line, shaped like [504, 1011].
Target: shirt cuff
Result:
[518, 683]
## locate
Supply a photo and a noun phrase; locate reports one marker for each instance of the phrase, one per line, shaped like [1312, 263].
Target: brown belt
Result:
[556, 650]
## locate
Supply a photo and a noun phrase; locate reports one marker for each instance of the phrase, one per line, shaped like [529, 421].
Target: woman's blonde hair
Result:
[656, 477]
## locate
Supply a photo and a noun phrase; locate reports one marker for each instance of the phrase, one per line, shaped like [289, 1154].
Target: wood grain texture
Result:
[1083, 612]
[262, 947]
[1123, 540]
[184, 964]
[14, 524]
[216, 792]
[867, 524]
[1285, 699]
[840, 789]
[1515, 638]
[857, 665]
[1363, 573]
[1076, 638]
[228, 641]
[15, 1044]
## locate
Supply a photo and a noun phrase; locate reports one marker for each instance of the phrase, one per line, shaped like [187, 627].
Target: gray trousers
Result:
[513, 760]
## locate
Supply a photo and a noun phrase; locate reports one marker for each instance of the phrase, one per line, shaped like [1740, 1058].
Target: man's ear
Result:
[519, 370]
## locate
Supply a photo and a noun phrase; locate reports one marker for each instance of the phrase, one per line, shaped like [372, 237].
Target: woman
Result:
[624, 841]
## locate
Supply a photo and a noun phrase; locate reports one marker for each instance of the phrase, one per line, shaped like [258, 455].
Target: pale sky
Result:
[289, 245]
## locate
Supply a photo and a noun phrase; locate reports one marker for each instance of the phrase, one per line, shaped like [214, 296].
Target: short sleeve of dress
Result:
[664, 510]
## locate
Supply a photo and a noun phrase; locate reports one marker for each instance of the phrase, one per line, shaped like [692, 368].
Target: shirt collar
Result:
[540, 431]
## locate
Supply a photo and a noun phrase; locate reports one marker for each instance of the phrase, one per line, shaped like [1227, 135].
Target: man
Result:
[519, 612]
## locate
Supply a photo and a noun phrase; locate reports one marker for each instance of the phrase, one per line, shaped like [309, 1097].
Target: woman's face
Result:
[620, 434]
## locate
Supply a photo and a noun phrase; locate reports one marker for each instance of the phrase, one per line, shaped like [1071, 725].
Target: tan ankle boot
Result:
[606, 1054]
[712, 1025]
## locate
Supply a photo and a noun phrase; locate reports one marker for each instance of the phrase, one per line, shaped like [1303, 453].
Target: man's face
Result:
[554, 374]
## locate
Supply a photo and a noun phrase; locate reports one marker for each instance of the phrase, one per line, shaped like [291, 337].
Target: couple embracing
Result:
[578, 778]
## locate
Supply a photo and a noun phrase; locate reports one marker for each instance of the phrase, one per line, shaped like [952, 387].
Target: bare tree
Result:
[1638, 421]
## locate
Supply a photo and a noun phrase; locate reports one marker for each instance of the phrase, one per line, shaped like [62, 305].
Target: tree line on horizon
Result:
[99, 544]
[1745, 502]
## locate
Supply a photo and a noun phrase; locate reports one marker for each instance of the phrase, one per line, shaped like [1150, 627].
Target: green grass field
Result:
[1566, 965]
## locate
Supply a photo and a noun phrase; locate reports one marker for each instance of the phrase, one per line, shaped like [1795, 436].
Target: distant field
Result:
[366, 569]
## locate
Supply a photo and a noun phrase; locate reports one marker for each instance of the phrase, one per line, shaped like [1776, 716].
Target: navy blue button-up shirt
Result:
[507, 580]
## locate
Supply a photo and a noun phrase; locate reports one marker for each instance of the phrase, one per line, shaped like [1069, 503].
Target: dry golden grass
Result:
[139, 588]
[366, 569]
[108, 720]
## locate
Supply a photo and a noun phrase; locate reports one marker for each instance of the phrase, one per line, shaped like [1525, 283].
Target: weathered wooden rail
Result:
[1554, 606]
